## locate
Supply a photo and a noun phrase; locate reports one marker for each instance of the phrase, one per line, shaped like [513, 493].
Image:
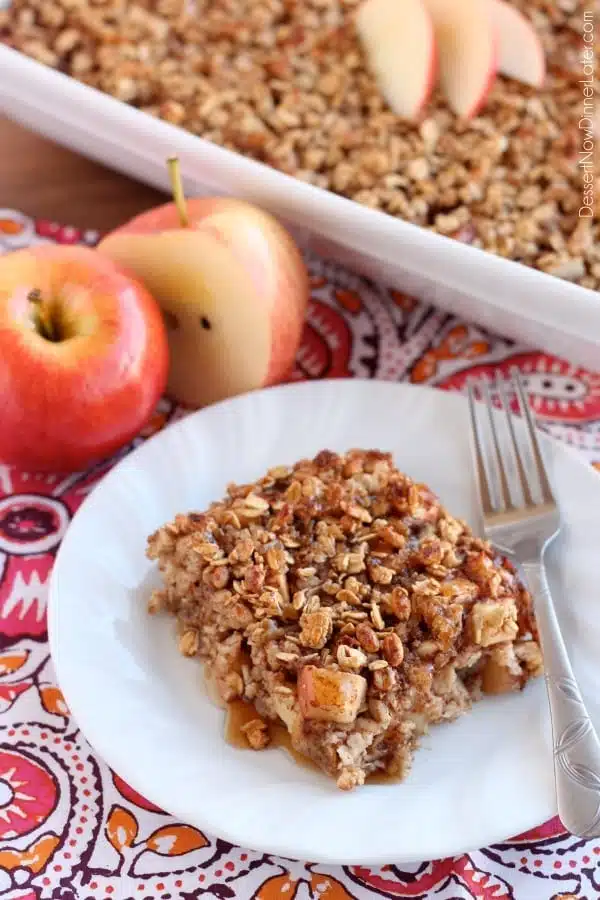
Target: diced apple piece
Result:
[520, 51]
[494, 622]
[466, 45]
[399, 44]
[330, 696]
[501, 672]
[286, 708]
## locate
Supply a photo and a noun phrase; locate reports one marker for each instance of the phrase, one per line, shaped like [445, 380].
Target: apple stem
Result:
[177, 188]
[43, 317]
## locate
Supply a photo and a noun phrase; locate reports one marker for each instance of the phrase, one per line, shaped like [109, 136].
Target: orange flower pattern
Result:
[72, 829]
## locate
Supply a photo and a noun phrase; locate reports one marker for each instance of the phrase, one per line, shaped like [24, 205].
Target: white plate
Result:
[533, 308]
[144, 708]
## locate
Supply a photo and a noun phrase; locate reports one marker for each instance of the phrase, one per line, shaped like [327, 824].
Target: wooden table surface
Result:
[46, 181]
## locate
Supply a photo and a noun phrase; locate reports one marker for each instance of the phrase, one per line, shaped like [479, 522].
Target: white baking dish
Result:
[519, 302]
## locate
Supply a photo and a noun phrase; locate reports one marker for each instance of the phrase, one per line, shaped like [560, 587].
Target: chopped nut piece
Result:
[380, 574]
[242, 551]
[377, 665]
[278, 473]
[350, 658]
[357, 512]
[256, 502]
[275, 559]
[220, 577]
[349, 597]
[257, 734]
[350, 778]
[393, 649]
[282, 584]
[157, 602]
[398, 604]
[316, 628]
[189, 643]
[376, 617]
[294, 492]
[480, 567]
[341, 562]
[299, 599]
[393, 538]
[231, 686]
[367, 638]
[461, 589]
[380, 712]
[355, 563]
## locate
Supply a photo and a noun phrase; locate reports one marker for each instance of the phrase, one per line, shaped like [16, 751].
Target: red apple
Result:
[400, 47]
[233, 289]
[83, 357]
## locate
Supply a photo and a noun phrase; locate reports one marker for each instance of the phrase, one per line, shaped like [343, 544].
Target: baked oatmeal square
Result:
[339, 600]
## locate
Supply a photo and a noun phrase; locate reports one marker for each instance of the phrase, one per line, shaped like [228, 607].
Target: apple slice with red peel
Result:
[399, 43]
[520, 51]
[232, 287]
[466, 46]
[219, 335]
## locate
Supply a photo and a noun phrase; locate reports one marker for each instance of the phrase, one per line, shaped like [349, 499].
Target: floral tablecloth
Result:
[70, 828]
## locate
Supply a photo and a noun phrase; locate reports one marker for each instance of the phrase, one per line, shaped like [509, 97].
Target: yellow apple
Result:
[233, 289]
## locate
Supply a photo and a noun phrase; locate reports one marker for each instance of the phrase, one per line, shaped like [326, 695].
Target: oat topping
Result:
[285, 82]
[301, 623]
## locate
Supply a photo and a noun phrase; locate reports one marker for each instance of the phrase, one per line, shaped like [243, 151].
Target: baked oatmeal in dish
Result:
[287, 83]
[339, 598]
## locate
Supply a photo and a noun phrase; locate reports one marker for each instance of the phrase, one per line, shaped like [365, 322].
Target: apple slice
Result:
[219, 334]
[520, 51]
[466, 46]
[398, 39]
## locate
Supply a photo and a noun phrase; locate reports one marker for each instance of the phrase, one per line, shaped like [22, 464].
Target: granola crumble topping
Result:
[285, 82]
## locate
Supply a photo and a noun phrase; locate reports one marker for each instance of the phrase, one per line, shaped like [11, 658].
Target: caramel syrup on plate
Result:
[239, 713]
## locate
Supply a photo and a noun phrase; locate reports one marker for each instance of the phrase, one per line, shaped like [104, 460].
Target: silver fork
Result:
[524, 529]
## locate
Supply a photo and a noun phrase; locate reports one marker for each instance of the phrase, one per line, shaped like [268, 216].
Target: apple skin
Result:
[68, 402]
[233, 265]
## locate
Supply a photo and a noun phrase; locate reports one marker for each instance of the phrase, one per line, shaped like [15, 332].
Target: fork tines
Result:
[501, 389]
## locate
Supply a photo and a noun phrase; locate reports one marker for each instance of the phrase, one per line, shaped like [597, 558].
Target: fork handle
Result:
[575, 742]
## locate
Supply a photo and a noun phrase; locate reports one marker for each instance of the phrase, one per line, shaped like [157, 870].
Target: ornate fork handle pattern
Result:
[576, 744]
